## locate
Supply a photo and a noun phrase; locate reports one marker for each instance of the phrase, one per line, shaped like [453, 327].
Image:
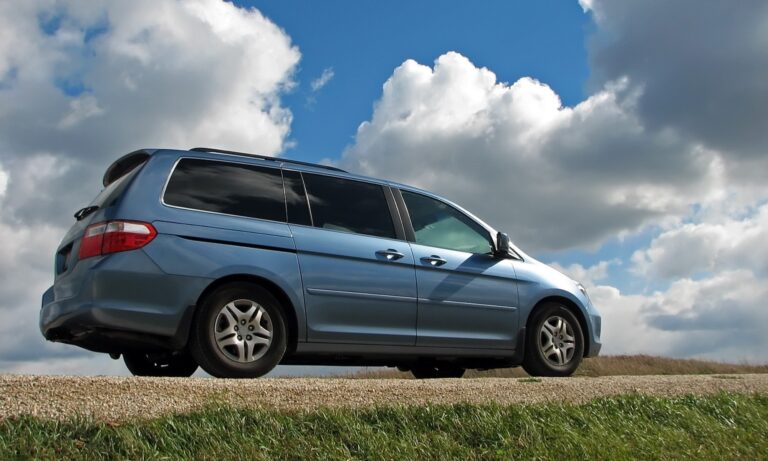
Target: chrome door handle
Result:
[390, 254]
[434, 260]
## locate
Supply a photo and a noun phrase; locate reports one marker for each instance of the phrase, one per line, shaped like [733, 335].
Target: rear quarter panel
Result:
[199, 244]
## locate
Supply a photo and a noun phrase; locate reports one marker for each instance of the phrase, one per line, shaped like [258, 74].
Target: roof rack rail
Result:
[266, 157]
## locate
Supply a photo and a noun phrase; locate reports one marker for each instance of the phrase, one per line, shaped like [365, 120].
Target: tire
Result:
[437, 371]
[556, 349]
[250, 326]
[171, 364]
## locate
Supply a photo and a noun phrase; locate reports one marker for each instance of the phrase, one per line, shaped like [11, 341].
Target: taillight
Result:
[114, 236]
[92, 239]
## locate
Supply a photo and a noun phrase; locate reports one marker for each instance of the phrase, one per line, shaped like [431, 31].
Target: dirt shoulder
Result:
[114, 398]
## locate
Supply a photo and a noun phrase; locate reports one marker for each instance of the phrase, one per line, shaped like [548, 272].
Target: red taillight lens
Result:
[125, 236]
[114, 236]
[92, 239]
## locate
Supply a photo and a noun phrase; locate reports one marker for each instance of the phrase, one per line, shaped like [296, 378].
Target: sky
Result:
[623, 142]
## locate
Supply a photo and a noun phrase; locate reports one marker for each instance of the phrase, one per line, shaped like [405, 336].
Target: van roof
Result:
[129, 161]
[266, 157]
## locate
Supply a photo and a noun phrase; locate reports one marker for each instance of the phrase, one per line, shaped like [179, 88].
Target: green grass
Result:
[725, 426]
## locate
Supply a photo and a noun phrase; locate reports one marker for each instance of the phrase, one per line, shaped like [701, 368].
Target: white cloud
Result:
[701, 68]
[554, 177]
[586, 5]
[84, 82]
[706, 247]
[661, 145]
[587, 276]
[675, 121]
[79, 365]
[699, 72]
[323, 79]
[719, 317]
[158, 73]
[81, 108]
[3, 182]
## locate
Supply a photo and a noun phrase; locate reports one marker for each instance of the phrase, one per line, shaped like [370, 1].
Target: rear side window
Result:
[229, 188]
[349, 206]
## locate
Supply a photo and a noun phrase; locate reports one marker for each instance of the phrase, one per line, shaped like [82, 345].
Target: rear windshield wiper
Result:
[83, 212]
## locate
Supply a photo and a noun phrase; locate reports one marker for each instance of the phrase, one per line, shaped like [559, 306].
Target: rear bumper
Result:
[111, 330]
[119, 303]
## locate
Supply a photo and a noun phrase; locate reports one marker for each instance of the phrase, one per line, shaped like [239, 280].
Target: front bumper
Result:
[594, 343]
[594, 349]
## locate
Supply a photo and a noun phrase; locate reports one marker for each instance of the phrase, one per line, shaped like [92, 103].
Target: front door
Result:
[466, 297]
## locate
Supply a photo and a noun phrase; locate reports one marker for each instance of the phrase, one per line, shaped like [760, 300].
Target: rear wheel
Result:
[176, 364]
[239, 332]
[555, 343]
[437, 371]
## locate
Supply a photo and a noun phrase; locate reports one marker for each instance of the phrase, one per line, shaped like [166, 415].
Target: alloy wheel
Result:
[243, 330]
[557, 341]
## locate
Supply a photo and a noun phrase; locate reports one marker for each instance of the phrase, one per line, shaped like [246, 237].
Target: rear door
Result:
[466, 297]
[357, 270]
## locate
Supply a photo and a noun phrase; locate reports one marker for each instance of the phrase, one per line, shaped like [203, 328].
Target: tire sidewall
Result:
[207, 352]
[535, 361]
[179, 364]
[139, 365]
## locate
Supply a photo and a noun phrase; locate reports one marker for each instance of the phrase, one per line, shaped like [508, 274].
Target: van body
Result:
[236, 263]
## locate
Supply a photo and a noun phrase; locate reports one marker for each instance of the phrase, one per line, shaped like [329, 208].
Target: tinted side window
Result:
[350, 206]
[440, 225]
[231, 188]
[296, 199]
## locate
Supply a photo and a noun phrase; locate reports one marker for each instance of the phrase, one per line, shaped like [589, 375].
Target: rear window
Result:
[114, 190]
[123, 166]
[229, 188]
[349, 206]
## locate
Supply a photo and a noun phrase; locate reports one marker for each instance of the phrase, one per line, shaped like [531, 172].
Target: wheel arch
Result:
[571, 306]
[274, 289]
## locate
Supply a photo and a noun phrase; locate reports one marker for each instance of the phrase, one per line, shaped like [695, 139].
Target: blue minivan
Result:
[237, 263]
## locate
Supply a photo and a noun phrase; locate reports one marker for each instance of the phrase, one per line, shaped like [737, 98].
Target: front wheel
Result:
[239, 332]
[555, 342]
[168, 364]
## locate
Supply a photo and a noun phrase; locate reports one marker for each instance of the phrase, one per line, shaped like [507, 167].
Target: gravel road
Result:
[112, 398]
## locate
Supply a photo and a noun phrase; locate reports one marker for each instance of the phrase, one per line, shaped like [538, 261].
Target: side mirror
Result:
[502, 245]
